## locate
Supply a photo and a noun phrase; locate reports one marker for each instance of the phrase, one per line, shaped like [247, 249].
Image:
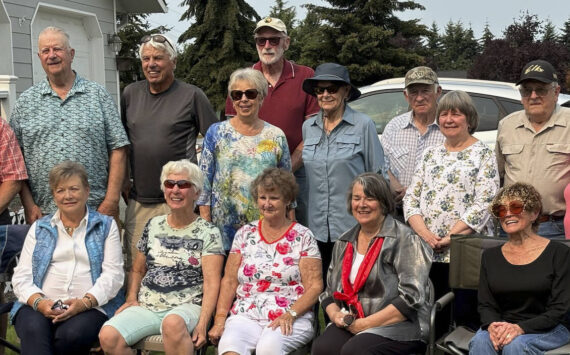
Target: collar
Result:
[409, 122]
[388, 230]
[78, 86]
[555, 119]
[288, 71]
[56, 219]
[348, 116]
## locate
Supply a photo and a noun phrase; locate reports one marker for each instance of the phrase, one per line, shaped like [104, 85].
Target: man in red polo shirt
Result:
[286, 105]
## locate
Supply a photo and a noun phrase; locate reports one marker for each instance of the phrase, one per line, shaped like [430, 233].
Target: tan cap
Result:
[420, 75]
[271, 22]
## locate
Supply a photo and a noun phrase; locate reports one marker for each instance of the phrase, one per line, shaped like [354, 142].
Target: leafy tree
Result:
[219, 41]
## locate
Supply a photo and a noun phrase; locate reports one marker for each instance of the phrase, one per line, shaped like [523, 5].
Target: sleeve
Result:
[414, 191]
[239, 239]
[208, 166]
[205, 115]
[15, 119]
[477, 213]
[412, 263]
[212, 240]
[374, 158]
[22, 280]
[559, 300]
[385, 140]
[326, 297]
[499, 154]
[142, 244]
[113, 275]
[284, 161]
[229, 111]
[488, 307]
[12, 165]
[115, 134]
[309, 248]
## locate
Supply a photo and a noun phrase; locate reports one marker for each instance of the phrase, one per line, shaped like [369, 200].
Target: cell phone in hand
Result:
[59, 305]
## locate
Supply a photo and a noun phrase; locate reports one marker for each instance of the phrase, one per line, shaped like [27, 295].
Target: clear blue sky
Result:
[475, 13]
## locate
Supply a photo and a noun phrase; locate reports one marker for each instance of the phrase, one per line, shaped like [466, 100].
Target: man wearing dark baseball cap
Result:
[533, 145]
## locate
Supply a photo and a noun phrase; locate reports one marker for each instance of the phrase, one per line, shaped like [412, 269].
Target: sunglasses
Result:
[331, 89]
[250, 94]
[540, 91]
[182, 184]
[515, 207]
[157, 39]
[274, 41]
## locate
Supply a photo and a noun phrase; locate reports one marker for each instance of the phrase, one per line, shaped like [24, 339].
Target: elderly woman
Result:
[340, 143]
[274, 273]
[175, 278]
[69, 273]
[377, 284]
[235, 152]
[523, 287]
[453, 185]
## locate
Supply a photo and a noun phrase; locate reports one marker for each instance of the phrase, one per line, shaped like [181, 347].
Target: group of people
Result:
[296, 189]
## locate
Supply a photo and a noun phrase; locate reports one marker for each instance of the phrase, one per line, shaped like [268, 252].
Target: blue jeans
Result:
[548, 229]
[525, 344]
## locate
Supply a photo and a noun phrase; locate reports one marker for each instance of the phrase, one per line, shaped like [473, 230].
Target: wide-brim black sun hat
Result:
[330, 72]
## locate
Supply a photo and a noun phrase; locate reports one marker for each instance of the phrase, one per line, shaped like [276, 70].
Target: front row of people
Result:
[68, 281]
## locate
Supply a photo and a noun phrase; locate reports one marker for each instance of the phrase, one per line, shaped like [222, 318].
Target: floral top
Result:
[174, 262]
[230, 161]
[451, 186]
[269, 275]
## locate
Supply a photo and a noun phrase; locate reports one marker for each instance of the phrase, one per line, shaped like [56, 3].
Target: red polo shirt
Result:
[286, 104]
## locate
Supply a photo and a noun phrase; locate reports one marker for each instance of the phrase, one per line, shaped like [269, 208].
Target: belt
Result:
[548, 217]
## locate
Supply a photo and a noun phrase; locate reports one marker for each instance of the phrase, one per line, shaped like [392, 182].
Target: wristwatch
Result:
[348, 319]
[292, 313]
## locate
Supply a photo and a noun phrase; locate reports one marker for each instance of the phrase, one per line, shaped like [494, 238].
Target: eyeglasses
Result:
[157, 39]
[331, 89]
[540, 91]
[182, 184]
[515, 207]
[250, 94]
[274, 41]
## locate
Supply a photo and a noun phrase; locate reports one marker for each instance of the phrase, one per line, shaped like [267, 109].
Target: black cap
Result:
[539, 70]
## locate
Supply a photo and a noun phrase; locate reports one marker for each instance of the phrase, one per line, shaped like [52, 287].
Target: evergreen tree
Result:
[459, 47]
[487, 36]
[565, 35]
[433, 46]
[549, 34]
[287, 15]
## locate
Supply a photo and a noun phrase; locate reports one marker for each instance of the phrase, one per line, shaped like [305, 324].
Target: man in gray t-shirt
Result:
[162, 117]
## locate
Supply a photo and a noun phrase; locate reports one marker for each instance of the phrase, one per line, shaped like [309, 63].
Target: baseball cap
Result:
[271, 22]
[420, 75]
[539, 70]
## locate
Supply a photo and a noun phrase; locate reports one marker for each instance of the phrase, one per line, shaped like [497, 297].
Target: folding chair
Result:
[466, 251]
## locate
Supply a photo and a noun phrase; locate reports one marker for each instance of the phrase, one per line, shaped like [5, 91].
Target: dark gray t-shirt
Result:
[162, 127]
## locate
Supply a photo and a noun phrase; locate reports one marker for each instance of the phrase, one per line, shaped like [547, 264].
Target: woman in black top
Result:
[524, 287]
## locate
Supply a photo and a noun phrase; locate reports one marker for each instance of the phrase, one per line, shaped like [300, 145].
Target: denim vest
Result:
[98, 227]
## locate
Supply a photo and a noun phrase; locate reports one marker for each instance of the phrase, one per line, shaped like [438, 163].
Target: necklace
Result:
[69, 230]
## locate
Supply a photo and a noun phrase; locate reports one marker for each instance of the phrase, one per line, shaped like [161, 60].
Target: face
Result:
[453, 124]
[246, 108]
[157, 67]
[271, 204]
[70, 196]
[269, 53]
[331, 102]
[514, 219]
[54, 53]
[366, 210]
[180, 198]
[422, 98]
[535, 106]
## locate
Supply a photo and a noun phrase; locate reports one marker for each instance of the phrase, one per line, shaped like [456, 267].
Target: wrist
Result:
[36, 303]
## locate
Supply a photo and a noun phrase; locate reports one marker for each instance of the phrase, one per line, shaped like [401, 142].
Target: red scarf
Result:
[350, 295]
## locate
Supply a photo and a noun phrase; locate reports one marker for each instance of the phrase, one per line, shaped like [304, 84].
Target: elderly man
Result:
[162, 116]
[406, 136]
[66, 117]
[12, 170]
[533, 145]
[286, 104]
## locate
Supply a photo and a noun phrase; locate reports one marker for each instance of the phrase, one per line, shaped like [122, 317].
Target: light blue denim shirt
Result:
[332, 162]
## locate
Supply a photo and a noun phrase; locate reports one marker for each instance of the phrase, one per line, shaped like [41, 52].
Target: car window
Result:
[488, 111]
[381, 107]
[511, 106]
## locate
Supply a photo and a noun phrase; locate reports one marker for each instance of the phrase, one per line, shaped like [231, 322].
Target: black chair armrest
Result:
[441, 303]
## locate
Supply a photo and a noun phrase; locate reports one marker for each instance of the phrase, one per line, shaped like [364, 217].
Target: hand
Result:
[215, 333]
[109, 208]
[126, 305]
[443, 243]
[338, 318]
[44, 307]
[285, 322]
[493, 330]
[431, 239]
[199, 335]
[76, 306]
[357, 326]
[399, 194]
[507, 332]
[32, 213]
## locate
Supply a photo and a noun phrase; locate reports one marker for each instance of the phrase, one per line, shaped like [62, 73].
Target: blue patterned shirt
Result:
[85, 127]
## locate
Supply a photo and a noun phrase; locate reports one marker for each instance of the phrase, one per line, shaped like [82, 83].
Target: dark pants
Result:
[5, 217]
[340, 341]
[39, 336]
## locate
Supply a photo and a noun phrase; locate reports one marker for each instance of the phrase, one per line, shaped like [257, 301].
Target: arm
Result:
[205, 213]
[459, 227]
[208, 168]
[117, 171]
[418, 225]
[374, 160]
[297, 157]
[285, 158]
[8, 189]
[499, 156]
[32, 211]
[398, 190]
[135, 277]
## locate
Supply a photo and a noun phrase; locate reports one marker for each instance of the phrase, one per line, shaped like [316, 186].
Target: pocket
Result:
[558, 154]
[347, 146]
[513, 156]
[399, 159]
[309, 148]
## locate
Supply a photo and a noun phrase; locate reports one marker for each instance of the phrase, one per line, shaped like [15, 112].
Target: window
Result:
[381, 107]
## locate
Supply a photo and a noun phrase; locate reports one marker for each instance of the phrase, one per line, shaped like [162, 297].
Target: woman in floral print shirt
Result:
[274, 273]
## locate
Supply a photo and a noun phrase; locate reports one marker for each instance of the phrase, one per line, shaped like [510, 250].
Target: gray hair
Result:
[375, 186]
[461, 101]
[183, 166]
[60, 31]
[165, 47]
[252, 76]
[64, 171]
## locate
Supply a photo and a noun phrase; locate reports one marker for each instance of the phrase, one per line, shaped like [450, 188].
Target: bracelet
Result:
[90, 300]
[85, 304]
[37, 302]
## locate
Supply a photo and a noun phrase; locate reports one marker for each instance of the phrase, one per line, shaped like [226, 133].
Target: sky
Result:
[475, 13]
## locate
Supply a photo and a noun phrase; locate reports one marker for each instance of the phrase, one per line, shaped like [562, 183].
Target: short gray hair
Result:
[461, 101]
[165, 47]
[375, 186]
[252, 76]
[64, 35]
[183, 166]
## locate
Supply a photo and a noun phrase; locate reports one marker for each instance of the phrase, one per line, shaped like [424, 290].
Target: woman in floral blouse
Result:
[274, 273]
[453, 185]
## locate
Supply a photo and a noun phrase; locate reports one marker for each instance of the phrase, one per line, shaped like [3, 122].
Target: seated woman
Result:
[69, 273]
[175, 278]
[273, 272]
[524, 292]
[377, 283]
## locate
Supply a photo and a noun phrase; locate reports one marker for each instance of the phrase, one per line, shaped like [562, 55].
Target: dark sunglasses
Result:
[250, 94]
[515, 207]
[182, 184]
[540, 91]
[332, 89]
[274, 41]
[157, 39]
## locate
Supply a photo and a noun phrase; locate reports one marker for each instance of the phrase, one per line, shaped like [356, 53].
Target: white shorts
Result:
[243, 335]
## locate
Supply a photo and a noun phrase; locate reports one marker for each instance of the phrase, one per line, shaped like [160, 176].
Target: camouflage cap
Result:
[420, 75]
[271, 22]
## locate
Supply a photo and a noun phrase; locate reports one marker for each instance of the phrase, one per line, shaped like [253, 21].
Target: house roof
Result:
[141, 6]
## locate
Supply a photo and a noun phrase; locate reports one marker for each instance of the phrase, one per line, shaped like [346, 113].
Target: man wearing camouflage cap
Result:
[533, 145]
[406, 136]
